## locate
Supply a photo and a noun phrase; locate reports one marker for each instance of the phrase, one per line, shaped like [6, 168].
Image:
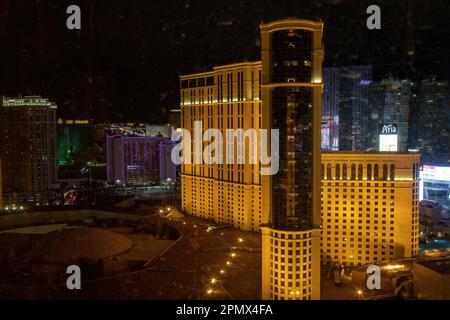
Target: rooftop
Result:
[440, 266]
[27, 101]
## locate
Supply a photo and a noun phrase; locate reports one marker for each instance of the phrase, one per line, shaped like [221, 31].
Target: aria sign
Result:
[388, 129]
[388, 137]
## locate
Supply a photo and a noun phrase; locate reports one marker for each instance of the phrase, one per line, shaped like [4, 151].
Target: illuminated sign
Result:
[436, 173]
[60, 121]
[388, 142]
[388, 137]
[388, 129]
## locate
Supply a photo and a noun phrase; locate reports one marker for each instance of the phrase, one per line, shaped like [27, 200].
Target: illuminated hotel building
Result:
[370, 207]
[228, 97]
[28, 147]
[292, 54]
[138, 160]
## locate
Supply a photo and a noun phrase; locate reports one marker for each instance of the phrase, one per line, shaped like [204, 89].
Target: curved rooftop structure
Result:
[71, 244]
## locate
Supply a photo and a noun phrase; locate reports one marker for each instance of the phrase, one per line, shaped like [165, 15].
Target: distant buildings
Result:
[330, 109]
[138, 160]
[28, 147]
[356, 108]
[161, 130]
[389, 105]
[430, 214]
[345, 107]
[168, 172]
[430, 119]
[125, 129]
[354, 82]
[436, 185]
[75, 137]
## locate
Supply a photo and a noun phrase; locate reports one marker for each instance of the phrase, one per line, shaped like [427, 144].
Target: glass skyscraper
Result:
[292, 53]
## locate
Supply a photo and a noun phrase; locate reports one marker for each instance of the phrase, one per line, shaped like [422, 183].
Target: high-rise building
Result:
[430, 113]
[292, 54]
[28, 147]
[75, 137]
[134, 160]
[388, 115]
[370, 206]
[168, 171]
[228, 97]
[330, 109]
[353, 105]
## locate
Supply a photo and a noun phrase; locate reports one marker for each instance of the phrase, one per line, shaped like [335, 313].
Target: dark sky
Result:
[124, 63]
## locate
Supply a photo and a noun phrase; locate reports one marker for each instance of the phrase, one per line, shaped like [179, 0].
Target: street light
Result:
[213, 280]
[359, 293]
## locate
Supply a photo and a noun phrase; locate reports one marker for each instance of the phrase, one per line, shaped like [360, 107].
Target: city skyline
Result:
[277, 163]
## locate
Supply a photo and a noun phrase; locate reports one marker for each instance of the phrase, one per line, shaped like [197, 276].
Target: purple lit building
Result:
[138, 160]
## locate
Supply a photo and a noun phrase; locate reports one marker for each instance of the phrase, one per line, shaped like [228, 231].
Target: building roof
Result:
[228, 66]
[429, 203]
[440, 266]
[70, 244]
[369, 154]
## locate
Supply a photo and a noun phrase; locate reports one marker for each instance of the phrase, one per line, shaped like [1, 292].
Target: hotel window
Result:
[338, 171]
[328, 171]
[385, 171]
[392, 172]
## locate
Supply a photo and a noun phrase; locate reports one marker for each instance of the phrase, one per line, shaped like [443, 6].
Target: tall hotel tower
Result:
[292, 54]
[27, 147]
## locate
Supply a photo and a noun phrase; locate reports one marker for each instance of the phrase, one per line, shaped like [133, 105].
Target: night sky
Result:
[123, 65]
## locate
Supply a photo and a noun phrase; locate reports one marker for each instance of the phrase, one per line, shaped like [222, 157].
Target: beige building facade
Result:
[370, 207]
